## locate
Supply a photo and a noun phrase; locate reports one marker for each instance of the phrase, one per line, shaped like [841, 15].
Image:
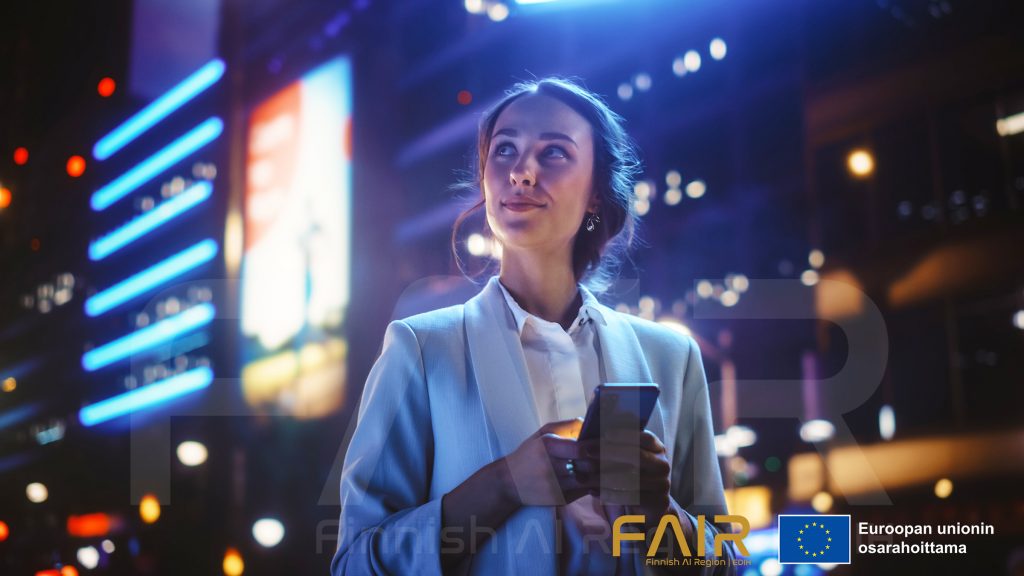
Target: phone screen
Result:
[619, 406]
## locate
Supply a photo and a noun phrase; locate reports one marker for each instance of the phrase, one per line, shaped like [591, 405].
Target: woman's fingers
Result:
[561, 447]
[626, 466]
[565, 428]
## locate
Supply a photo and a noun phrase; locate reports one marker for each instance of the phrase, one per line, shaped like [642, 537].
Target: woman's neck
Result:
[541, 288]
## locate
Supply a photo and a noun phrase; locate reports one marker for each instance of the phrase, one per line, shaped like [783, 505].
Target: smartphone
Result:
[619, 406]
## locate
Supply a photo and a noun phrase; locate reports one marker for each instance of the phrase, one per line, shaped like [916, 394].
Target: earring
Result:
[592, 221]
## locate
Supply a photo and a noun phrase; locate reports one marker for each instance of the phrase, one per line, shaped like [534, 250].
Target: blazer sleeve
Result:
[696, 478]
[388, 524]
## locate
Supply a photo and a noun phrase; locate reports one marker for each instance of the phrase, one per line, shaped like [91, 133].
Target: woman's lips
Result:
[522, 206]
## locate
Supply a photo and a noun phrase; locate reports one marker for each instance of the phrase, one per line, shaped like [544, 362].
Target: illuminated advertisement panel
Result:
[296, 260]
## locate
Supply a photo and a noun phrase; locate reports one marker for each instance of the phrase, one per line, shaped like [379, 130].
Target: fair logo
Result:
[671, 520]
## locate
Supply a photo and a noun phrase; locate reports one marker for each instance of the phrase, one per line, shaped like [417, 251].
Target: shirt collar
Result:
[589, 309]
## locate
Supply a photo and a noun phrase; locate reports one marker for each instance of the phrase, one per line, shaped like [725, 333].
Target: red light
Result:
[4, 531]
[5, 197]
[34, 244]
[48, 573]
[68, 571]
[106, 87]
[465, 97]
[89, 525]
[76, 166]
[20, 155]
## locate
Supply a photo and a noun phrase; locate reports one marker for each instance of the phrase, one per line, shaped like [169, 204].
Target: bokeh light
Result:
[696, 189]
[149, 509]
[192, 453]
[673, 178]
[233, 564]
[497, 12]
[817, 431]
[860, 163]
[268, 532]
[822, 502]
[37, 492]
[943, 488]
[809, 277]
[88, 557]
[106, 87]
[717, 48]
[691, 61]
[76, 166]
[816, 258]
[886, 422]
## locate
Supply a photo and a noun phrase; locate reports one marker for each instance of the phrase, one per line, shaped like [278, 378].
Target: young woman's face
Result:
[538, 175]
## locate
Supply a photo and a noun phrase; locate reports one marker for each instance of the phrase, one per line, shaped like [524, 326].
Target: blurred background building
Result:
[209, 211]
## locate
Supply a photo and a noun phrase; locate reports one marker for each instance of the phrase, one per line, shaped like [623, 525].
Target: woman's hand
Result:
[634, 470]
[537, 474]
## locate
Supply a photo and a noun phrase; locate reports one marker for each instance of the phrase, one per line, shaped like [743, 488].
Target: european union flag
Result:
[822, 538]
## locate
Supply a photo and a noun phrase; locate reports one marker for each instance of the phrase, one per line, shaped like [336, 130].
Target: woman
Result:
[464, 459]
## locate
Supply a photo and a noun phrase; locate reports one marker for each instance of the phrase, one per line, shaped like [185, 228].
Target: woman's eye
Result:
[504, 150]
[556, 152]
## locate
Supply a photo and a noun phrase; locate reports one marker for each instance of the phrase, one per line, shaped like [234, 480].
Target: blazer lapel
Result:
[624, 360]
[500, 368]
[502, 379]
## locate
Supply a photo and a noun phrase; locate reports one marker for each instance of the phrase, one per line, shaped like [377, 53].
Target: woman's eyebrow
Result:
[543, 136]
[558, 136]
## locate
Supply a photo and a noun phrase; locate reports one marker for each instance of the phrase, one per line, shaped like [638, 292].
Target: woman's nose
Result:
[523, 174]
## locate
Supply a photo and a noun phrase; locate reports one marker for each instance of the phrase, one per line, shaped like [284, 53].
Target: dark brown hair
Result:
[596, 255]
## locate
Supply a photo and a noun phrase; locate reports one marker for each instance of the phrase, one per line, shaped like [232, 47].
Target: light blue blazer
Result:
[450, 393]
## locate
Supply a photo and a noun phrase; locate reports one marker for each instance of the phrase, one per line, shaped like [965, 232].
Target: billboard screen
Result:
[295, 272]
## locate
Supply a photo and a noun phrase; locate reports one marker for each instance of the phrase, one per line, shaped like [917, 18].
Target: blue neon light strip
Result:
[148, 337]
[148, 396]
[19, 414]
[159, 109]
[151, 277]
[149, 168]
[139, 227]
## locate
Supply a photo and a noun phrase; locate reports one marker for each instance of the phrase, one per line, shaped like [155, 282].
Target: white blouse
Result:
[565, 368]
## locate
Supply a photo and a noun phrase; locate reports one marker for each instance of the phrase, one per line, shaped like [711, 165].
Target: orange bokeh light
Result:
[5, 197]
[76, 166]
[233, 564]
[465, 97]
[68, 570]
[149, 509]
[106, 87]
[89, 525]
[4, 531]
[21, 155]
